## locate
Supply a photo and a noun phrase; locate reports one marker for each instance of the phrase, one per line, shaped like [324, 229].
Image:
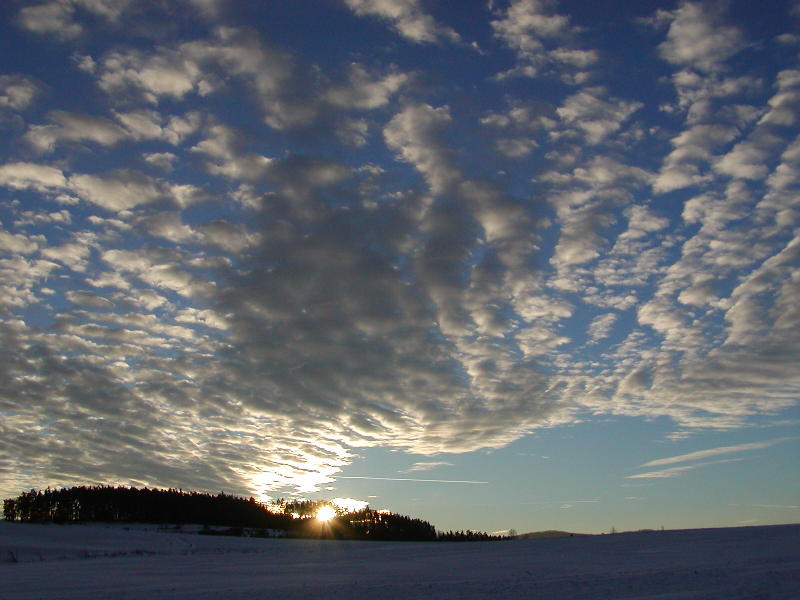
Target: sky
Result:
[496, 264]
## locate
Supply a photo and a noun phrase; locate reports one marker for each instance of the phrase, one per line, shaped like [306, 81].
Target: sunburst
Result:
[325, 513]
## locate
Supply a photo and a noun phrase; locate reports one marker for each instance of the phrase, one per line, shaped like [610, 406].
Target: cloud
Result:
[286, 95]
[692, 151]
[50, 18]
[162, 269]
[515, 147]
[17, 92]
[117, 191]
[209, 8]
[363, 91]
[74, 254]
[12, 243]
[678, 471]
[89, 299]
[698, 37]
[25, 175]
[417, 480]
[701, 454]
[426, 466]
[349, 504]
[163, 74]
[58, 18]
[583, 201]
[223, 147]
[71, 127]
[601, 326]
[750, 158]
[29, 217]
[414, 133]
[541, 40]
[228, 269]
[161, 160]
[593, 115]
[406, 17]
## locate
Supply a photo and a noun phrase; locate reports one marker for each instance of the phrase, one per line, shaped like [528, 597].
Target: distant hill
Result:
[550, 533]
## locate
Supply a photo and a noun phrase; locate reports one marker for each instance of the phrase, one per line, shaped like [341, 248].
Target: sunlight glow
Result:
[326, 513]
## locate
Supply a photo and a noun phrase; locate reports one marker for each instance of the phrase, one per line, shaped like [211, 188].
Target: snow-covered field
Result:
[51, 561]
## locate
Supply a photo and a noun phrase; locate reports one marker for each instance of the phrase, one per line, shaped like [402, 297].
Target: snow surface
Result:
[95, 561]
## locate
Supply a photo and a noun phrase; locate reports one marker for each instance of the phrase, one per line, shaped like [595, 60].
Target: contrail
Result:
[410, 479]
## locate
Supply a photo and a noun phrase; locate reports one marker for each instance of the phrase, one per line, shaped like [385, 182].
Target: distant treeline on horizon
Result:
[109, 504]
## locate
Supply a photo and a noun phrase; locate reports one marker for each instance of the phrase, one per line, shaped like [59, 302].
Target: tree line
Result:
[144, 505]
[176, 507]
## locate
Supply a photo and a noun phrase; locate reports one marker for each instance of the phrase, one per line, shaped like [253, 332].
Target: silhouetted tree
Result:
[237, 515]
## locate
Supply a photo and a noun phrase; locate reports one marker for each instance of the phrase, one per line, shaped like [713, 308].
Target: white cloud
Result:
[541, 39]
[643, 221]
[751, 158]
[684, 166]
[601, 326]
[18, 243]
[141, 124]
[72, 127]
[426, 466]
[118, 191]
[414, 134]
[29, 217]
[406, 17]
[185, 195]
[363, 91]
[678, 471]
[223, 147]
[164, 74]
[238, 57]
[661, 315]
[515, 147]
[518, 128]
[18, 278]
[88, 299]
[701, 454]
[526, 23]
[747, 160]
[74, 254]
[231, 237]
[161, 270]
[17, 92]
[57, 18]
[698, 37]
[161, 160]
[590, 112]
[353, 132]
[50, 18]
[25, 175]
[206, 317]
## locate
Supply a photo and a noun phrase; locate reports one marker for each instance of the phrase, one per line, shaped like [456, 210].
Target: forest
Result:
[220, 514]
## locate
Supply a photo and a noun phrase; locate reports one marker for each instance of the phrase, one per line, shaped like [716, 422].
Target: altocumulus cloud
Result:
[244, 259]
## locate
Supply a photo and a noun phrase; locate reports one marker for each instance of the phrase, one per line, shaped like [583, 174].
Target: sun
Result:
[325, 513]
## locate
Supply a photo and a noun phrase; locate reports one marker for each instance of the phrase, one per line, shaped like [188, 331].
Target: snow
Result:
[95, 561]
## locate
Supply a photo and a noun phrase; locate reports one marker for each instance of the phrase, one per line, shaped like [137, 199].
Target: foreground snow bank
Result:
[50, 561]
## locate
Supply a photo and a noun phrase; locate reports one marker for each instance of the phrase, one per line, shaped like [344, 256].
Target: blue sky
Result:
[516, 264]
